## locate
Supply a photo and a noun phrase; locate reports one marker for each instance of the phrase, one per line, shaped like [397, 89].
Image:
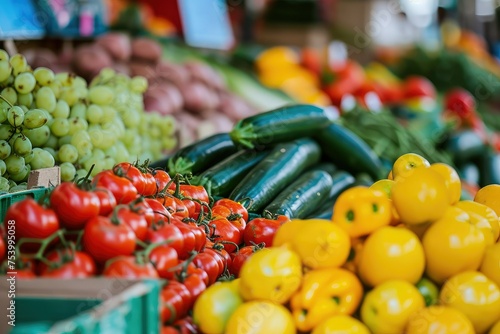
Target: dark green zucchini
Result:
[348, 152]
[303, 196]
[465, 146]
[281, 125]
[198, 156]
[275, 172]
[326, 167]
[489, 167]
[221, 178]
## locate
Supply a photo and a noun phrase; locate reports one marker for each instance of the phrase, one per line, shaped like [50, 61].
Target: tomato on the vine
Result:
[2, 248]
[130, 267]
[132, 173]
[142, 207]
[150, 187]
[209, 264]
[134, 220]
[122, 188]
[219, 258]
[105, 238]
[186, 326]
[176, 300]
[24, 268]
[234, 207]
[107, 200]
[187, 235]
[262, 230]
[171, 232]
[32, 220]
[74, 206]
[160, 213]
[162, 179]
[195, 283]
[221, 211]
[164, 258]
[67, 264]
[240, 257]
[224, 231]
[200, 236]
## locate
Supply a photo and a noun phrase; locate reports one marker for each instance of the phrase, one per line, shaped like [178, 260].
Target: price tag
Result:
[19, 19]
[206, 24]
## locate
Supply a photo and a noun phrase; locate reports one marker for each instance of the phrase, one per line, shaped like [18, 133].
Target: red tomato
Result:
[24, 269]
[186, 326]
[417, 86]
[187, 235]
[169, 330]
[142, 207]
[105, 238]
[223, 230]
[200, 236]
[130, 267]
[68, 264]
[162, 178]
[234, 207]
[173, 205]
[132, 173]
[176, 300]
[191, 208]
[460, 102]
[220, 211]
[170, 232]
[241, 257]
[219, 258]
[31, 219]
[107, 201]
[261, 230]
[122, 188]
[195, 284]
[73, 206]
[150, 187]
[159, 211]
[163, 259]
[209, 264]
[134, 220]
[2, 248]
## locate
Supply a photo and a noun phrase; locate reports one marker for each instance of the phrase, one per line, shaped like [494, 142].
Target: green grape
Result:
[5, 149]
[45, 99]
[25, 99]
[65, 78]
[56, 88]
[138, 84]
[84, 156]
[62, 109]
[108, 114]
[111, 151]
[80, 173]
[12, 184]
[68, 171]
[44, 76]
[77, 124]
[96, 134]
[94, 114]
[99, 167]
[42, 159]
[131, 118]
[28, 157]
[52, 142]
[70, 95]
[3, 167]
[81, 140]
[168, 143]
[13, 138]
[19, 187]
[78, 110]
[155, 132]
[6, 131]
[59, 127]
[22, 146]
[167, 125]
[15, 164]
[4, 184]
[79, 82]
[25, 109]
[10, 95]
[25, 83]
[109, 162]
[98, 154]
[22, 175]
[5, 70]
[106, 74]
[18, 63]
[7, 82]
[51, 151]
[121, 152]
[67, 153]
[38, 136]
[3, 114]
[4, 55]
[101, 95]
[64, 140]
[35, 118]
[82, 93]
[15, 116]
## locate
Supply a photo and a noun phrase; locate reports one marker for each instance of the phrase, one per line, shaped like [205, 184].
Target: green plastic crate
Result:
[86, 306]
[7, 199]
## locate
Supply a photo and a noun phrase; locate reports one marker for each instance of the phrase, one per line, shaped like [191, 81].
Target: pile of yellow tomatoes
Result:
[405, 255]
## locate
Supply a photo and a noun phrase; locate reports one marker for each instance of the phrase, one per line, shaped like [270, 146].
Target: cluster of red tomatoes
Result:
[132, 222]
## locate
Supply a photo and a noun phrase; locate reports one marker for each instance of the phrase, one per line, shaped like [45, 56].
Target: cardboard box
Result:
[83, 306]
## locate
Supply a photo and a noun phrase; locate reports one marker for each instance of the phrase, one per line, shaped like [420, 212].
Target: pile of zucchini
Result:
[295, 161]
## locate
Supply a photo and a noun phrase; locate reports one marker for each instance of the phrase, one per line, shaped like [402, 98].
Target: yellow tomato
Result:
[341, 324]
[456, 213]
[451, 247]
[405, 163]
[361, 210]
[215, 305]
[476, 296]
[439, 319]
[452, 180]
[276, 57]
[390, 176]
[321, 244]
[491, 263]
[481, 223]
[384, 185]
[484, 211]
[272, 274]
[495, 329]
[421, 197]
[286, 231]
[352, 262]
[260, 317]
[489, 196]
[391, 253]
[387, 308]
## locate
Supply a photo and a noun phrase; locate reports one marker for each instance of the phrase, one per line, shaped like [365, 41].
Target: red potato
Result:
[204, 73]
[235, 107]
[198, 97]
[165, 99]
[121, 67]
[187, 125]
[143, 69]
[146, 49]
[117, 44]
[213, 122]
[41, 57]
[174, 73]
[89, 60]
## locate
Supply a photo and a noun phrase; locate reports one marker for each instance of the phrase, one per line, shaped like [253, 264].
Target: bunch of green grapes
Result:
[49, 119]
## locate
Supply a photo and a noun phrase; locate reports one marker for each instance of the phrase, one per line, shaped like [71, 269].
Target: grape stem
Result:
[7, 101]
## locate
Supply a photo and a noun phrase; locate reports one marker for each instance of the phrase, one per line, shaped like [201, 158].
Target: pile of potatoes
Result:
[194, 93]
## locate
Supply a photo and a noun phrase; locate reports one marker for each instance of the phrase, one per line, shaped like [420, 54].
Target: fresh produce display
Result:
[52, 119]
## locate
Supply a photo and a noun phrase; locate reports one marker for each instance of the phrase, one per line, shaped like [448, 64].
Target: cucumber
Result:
[277, 170]
[198, 156]
[303, 196]
[326, 167]
[281, 125]
[465, 146]
[348, 152]
[221, 178]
